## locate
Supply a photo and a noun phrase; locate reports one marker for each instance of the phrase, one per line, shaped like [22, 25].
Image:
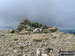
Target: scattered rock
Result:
[44, 54]
[38, 53]
[2, 35]
[37, 30]
[19, 55]
[24, 32]
[52, 29]
[15, 51]
[49, 50]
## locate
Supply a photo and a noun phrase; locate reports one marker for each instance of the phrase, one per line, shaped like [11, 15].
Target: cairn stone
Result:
[25, 26]
[52, 29]
[37, 30]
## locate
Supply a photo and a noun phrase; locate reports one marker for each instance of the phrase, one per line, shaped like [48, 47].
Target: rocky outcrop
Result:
[25, 26]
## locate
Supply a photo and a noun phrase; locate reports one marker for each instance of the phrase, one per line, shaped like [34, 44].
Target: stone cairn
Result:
[27, 27]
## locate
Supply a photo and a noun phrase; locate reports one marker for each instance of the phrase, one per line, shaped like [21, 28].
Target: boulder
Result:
[52, 29]
[37, 30]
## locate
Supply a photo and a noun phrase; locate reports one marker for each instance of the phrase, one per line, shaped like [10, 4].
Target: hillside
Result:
[34, 39]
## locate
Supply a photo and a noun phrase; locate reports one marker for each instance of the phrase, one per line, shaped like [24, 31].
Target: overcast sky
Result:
[51, 12]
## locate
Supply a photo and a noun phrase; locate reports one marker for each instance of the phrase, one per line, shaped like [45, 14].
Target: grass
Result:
[15, 39]
[46, 39]
[73, 44]
[21, 47]
[37, 40]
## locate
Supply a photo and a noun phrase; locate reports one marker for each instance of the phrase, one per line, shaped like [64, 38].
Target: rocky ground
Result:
[27, 45]
[47, 43]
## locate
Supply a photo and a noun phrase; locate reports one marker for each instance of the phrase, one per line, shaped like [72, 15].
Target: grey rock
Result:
[37, 30]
